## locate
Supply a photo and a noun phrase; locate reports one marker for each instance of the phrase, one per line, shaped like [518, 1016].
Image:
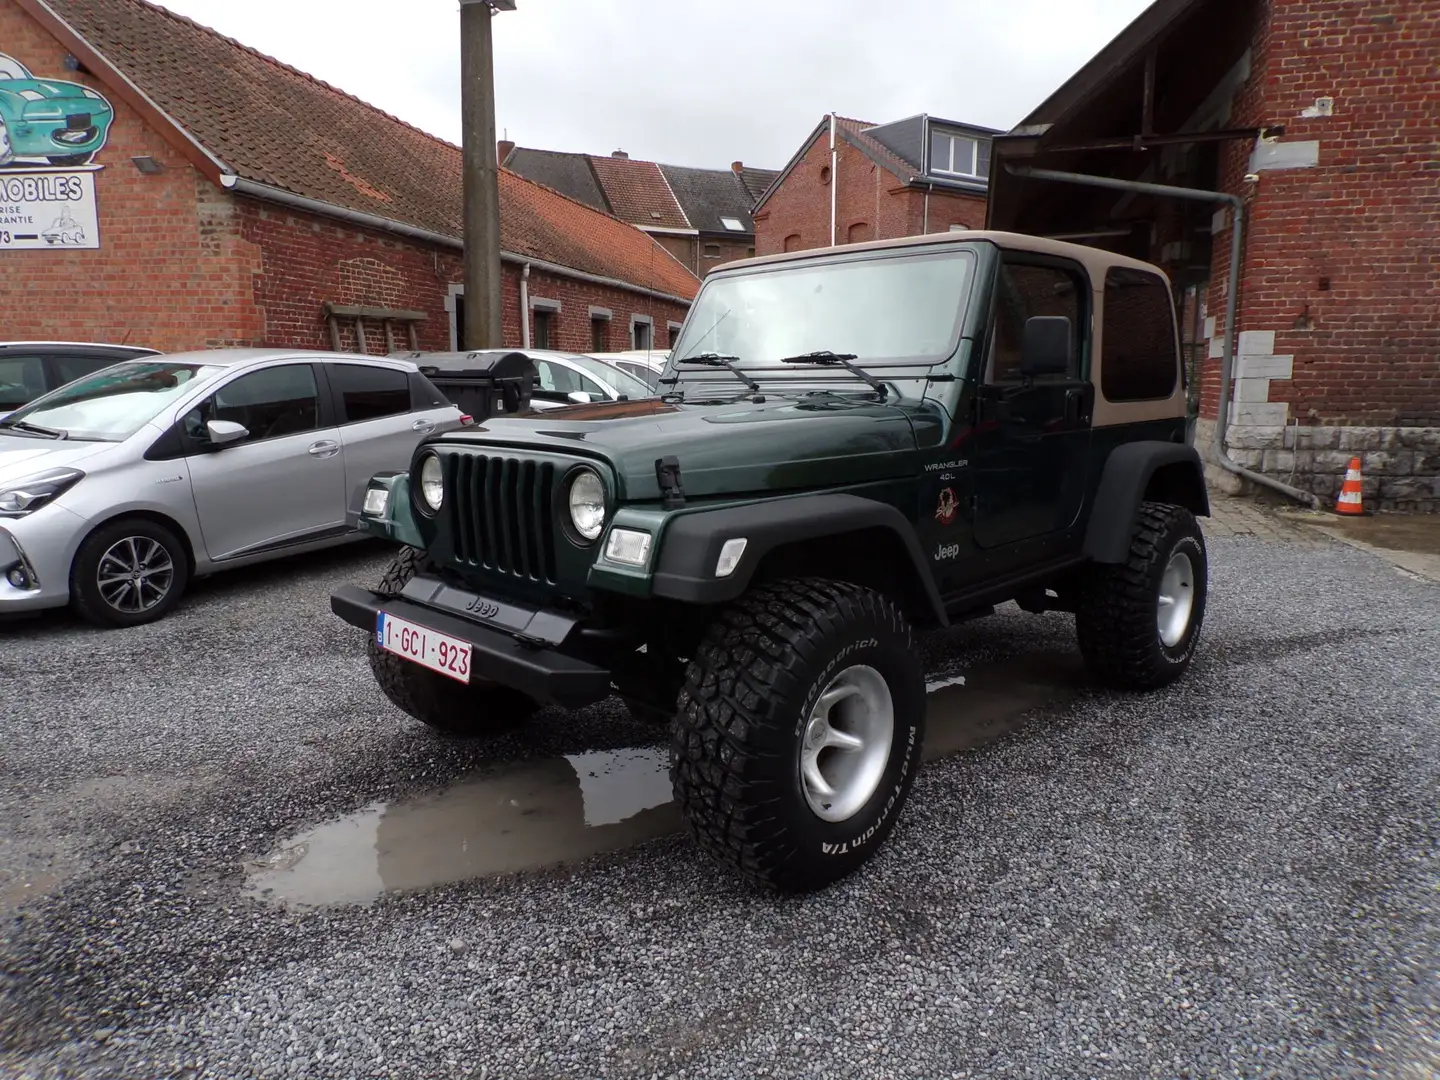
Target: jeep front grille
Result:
[500, 514]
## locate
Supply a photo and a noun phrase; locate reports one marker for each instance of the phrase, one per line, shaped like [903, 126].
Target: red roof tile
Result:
[638, 193]
[275, 125]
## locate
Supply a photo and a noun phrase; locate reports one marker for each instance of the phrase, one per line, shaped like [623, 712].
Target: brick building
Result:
[1322, 118]
[701, 216]
[223, 198]
[915, 176]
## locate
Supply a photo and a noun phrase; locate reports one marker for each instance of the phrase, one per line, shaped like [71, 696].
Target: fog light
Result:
[18, 577]
[376, 499]
[730, 556]
[628, 546]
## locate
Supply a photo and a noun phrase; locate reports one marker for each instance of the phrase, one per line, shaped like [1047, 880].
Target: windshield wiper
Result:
[34, 429]
[834, 359]
[721, 360]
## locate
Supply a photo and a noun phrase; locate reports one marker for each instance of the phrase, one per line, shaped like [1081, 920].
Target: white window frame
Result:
[947, 167]
[639, 320]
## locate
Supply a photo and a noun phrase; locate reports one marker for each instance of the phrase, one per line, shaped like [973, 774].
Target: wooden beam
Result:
[354, 311]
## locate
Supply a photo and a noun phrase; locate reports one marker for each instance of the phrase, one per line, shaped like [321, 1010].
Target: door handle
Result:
[323, 449]
[422, 426]
[1074, 408]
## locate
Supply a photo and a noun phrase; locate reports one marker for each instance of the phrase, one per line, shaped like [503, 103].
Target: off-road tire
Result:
[453, 708]
[85, 597]
[1115, 620]
[748, 692]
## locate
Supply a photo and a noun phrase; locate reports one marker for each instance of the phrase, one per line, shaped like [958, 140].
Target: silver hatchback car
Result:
[119, 488]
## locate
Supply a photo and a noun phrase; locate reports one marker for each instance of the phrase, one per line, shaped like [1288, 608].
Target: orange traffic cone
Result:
[1351, 501]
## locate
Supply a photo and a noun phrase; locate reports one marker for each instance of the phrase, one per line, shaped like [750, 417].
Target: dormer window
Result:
[733, 224]
[959, 155]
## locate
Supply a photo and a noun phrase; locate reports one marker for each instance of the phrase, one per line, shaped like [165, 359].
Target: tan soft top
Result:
[1095, 260]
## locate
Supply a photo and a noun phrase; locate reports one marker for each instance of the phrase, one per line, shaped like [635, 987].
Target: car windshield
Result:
[619, 381]
[112, 404]
[895, 309]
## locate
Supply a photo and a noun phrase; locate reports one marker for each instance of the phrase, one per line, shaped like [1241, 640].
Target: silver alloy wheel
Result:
[1176, 600]
[135, 574]
[846, 743]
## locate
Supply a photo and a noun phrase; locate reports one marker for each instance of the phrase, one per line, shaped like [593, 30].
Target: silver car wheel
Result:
[1177, 599]
[846, 743]
[135, 574]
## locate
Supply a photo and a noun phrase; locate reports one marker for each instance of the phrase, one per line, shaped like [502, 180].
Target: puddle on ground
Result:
[556, 810]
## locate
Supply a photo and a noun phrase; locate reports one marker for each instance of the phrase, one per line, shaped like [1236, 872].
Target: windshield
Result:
[902, 309]
[112, 404]
[620, 381]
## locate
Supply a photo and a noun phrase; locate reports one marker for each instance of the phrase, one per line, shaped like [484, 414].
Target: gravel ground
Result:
[1234, 878]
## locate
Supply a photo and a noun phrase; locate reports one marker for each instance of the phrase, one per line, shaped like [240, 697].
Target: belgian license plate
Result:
[421, 645]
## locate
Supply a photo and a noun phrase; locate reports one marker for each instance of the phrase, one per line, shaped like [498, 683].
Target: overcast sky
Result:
[687, 82]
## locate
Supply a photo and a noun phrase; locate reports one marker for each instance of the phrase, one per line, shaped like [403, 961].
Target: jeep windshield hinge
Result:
[667, 473]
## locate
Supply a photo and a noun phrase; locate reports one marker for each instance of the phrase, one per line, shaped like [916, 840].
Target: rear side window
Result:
[1138, 359]
[368, 393]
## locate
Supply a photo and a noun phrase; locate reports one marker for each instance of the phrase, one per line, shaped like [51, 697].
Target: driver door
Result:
[284, 482]
[1032, 433]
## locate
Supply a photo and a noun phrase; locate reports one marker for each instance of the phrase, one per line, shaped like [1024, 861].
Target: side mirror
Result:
[1048, 346]
[579, 397]
[224, 432]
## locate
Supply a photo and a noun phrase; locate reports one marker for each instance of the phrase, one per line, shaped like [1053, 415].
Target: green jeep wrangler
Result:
[854, 443]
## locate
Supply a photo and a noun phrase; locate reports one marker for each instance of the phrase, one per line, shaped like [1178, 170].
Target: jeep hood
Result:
[724, 449]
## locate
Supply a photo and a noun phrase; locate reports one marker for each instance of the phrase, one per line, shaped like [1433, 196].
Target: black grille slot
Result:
[499, 514]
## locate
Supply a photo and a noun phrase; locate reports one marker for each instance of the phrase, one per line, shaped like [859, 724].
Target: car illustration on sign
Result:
[65, 230]
[61, 123]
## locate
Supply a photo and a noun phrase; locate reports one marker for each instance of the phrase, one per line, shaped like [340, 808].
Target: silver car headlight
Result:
[587, 504]
[432, 482]
[23, 497]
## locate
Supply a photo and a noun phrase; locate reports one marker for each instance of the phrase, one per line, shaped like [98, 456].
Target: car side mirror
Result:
[1048, 346]
[225, 432]
[579, 397]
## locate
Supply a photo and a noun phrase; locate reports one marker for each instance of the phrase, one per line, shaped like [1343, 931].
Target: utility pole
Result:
[482, 176]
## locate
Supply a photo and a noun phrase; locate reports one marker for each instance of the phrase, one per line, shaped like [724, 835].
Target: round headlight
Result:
[432, 482]
[587, 504]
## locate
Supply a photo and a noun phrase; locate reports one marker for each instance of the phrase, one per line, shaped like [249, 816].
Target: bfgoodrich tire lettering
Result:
[1117, 620]
[453, 708]
[748, 697]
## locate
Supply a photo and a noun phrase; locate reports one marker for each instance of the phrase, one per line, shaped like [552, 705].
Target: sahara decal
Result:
[945, 511]
[50, 132]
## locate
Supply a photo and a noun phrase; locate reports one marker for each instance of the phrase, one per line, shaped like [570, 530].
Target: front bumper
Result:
[530, 663]
[41, 547]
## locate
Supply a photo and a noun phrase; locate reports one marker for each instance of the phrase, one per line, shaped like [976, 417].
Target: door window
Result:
[368, 393]
[22, 379]
[1025, 291]
[1138, 361]
[269, 404]
[564, 380]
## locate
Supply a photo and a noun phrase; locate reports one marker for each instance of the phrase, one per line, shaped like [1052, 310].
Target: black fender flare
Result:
[1127, 474]
[685, 569]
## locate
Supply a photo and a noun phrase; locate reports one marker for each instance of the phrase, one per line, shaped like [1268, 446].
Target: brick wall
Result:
[1341, 260]
[871, 203]
[171, 272]
[1340, 292]
[309, 260]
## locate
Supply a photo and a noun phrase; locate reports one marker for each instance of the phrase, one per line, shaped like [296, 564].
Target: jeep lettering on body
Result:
[851, 444]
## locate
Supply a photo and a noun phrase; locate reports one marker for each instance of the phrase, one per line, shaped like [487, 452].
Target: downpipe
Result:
[1232, 292]
[525, 306]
